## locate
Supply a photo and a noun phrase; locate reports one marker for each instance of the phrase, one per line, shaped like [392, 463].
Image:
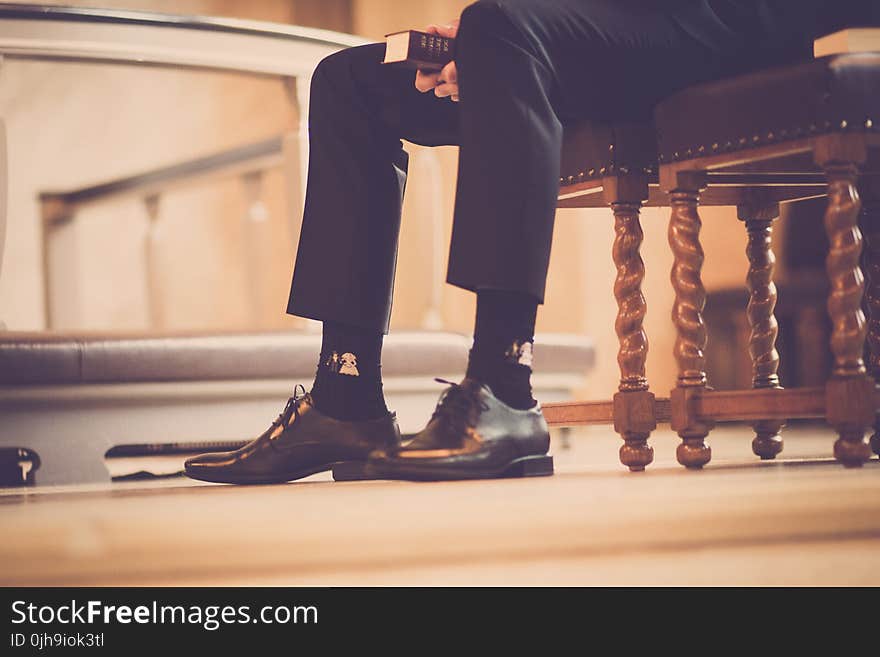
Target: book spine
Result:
[432, 48]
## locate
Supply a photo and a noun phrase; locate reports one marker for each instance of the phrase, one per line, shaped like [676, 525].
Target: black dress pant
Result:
[525, 68]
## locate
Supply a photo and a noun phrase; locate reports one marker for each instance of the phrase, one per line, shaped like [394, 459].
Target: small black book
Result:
[418, 50]
[18, 466]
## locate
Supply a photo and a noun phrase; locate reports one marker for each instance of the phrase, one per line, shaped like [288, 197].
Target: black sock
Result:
[502, 353]
[348, 383]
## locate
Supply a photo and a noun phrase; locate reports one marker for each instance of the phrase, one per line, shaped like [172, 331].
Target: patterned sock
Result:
[348, 382]
[501, 356]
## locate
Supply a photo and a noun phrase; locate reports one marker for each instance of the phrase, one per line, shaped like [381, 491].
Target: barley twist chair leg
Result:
[762, 320]
[633, 403]
[691, 338]
[849, 392]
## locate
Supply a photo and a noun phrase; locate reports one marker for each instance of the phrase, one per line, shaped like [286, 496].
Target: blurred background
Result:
[75, 125]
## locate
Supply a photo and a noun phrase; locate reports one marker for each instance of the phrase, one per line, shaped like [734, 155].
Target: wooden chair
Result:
[751, 142]
[779, 134]
[616, 165]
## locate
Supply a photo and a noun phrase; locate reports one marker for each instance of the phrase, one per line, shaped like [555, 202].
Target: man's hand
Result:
[443, 82]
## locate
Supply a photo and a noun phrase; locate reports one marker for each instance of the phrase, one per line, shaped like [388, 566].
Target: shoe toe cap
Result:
[207, 461]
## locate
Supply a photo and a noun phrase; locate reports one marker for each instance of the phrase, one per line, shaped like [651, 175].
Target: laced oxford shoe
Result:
[300, 442]
[471, 435]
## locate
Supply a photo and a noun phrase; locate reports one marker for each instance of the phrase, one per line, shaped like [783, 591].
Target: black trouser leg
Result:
[359, 112]
[508, 167]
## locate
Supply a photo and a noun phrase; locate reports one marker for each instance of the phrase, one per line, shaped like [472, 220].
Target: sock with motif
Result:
[348, 382]
[501, 356]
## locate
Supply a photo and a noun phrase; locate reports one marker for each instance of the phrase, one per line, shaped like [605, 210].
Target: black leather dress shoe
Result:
[471, 435]
[301, 442]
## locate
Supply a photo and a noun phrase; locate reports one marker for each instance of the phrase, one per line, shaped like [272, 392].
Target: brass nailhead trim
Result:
[609, 170]
[756, 139]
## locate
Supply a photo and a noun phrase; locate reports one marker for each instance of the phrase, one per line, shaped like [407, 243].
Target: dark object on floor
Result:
[145, 475]
[164, 449]
[18, 466]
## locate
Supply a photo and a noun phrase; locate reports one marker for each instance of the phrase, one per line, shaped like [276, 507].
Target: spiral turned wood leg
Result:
[764, 329]
[870, 222]
[687, 315]
[633, 403]
[850, 392]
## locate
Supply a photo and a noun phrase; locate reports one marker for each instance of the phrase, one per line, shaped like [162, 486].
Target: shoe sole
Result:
[526, 466]
[278, 479]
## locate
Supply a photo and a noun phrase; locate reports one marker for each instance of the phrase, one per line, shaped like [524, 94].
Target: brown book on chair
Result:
[418, 50]
[858, 39]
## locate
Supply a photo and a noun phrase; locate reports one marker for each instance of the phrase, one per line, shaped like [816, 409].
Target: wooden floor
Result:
[805, 521]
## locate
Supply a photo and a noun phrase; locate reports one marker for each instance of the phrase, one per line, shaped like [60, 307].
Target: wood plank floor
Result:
[802, 521]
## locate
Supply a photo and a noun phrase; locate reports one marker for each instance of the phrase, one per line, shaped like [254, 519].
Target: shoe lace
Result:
[456, 410]
[291, 408]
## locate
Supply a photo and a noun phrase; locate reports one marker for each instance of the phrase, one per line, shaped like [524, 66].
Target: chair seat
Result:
[592, 150]
[68, 358]
[835, 94]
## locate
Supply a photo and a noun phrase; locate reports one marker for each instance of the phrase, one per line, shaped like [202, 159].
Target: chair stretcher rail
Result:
[713, 405]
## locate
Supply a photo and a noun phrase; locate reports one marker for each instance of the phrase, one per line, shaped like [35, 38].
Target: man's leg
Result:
[524, 69]
[344, 273]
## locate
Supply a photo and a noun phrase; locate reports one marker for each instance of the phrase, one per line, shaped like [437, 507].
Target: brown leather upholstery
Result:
[592, 150]
[66, 358]
[839, 93]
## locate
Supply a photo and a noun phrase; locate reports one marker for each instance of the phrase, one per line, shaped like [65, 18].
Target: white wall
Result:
[77, 124]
